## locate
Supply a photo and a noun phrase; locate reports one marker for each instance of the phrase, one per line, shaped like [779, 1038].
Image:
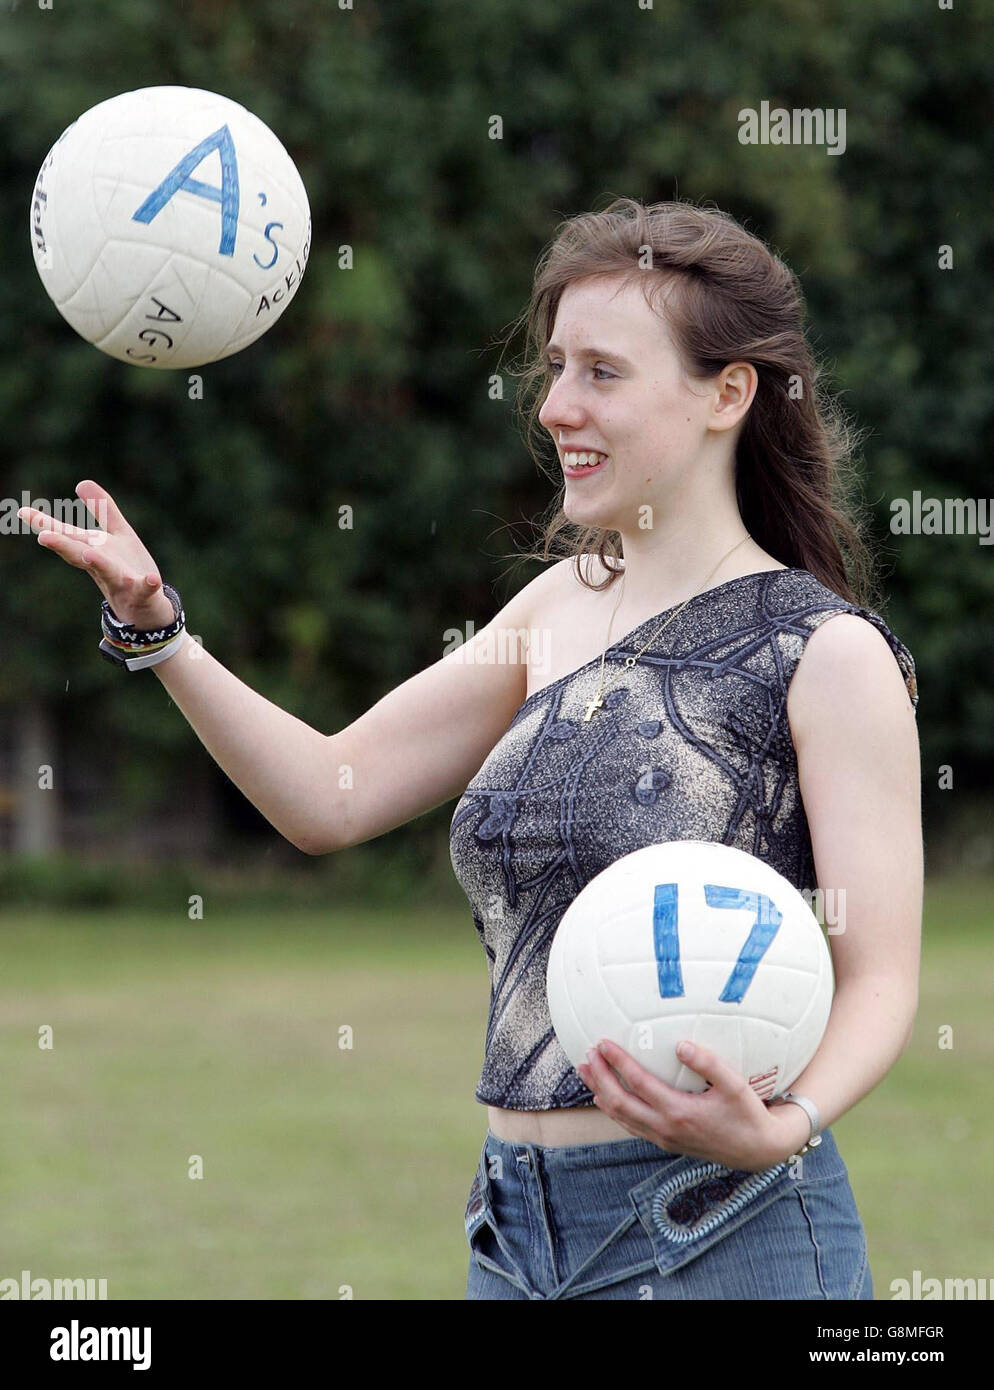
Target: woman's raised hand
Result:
[114, 557]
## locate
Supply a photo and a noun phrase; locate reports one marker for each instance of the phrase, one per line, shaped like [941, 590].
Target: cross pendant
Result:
[595, 703]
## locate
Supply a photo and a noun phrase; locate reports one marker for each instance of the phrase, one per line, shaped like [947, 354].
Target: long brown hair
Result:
[728, 299]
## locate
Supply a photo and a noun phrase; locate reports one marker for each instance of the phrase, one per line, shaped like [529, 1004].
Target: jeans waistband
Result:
[607, 1153]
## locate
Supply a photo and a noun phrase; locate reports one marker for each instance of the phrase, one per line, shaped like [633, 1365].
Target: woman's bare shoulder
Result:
[562, 576]
[847, 673]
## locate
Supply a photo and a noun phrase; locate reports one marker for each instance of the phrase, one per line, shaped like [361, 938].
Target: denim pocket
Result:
[476, 1206]
[487, 1247]
[691, 1204]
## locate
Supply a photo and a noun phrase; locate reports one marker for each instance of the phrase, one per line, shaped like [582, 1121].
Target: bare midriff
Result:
[583, 1125]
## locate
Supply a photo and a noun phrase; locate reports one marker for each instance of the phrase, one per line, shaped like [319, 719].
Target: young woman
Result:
[697, 666]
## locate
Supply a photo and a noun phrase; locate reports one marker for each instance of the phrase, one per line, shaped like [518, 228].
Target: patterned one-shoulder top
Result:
[693, 743]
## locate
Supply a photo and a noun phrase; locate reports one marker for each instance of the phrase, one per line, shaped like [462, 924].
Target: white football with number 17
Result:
[695, 940]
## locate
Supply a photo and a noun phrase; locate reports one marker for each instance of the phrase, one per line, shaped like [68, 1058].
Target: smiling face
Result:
[618, 388]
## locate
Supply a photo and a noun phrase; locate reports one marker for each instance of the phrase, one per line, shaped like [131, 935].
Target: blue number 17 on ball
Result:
[666, 939]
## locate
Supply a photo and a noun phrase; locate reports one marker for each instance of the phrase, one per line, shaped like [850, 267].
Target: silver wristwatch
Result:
[811, 1110]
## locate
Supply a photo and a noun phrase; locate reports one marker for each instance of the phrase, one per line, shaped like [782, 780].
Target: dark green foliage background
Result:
[373, 390]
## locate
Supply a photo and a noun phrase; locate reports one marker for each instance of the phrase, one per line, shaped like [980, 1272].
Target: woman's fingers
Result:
[41, 521]
[114, 557]
[71, 548]
[99, 504]
[102, 507]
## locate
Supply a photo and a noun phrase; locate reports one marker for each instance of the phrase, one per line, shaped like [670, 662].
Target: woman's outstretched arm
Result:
[414, 749]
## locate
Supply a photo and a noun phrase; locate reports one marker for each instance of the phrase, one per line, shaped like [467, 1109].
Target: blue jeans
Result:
[626, 1219]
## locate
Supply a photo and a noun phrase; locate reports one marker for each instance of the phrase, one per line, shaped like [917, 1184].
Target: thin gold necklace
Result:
[597, 702]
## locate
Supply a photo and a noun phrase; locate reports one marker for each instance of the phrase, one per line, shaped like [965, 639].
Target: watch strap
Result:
[809, 1108]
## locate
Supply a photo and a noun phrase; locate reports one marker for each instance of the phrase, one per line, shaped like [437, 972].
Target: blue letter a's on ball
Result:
[179, 179]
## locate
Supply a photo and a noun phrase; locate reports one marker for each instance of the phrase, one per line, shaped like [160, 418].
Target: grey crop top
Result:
[693, 743]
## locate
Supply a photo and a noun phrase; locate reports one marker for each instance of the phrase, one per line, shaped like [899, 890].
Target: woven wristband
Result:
[127, 646]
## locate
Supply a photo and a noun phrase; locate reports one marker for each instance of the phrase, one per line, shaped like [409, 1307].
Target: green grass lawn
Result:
[326, 1166]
